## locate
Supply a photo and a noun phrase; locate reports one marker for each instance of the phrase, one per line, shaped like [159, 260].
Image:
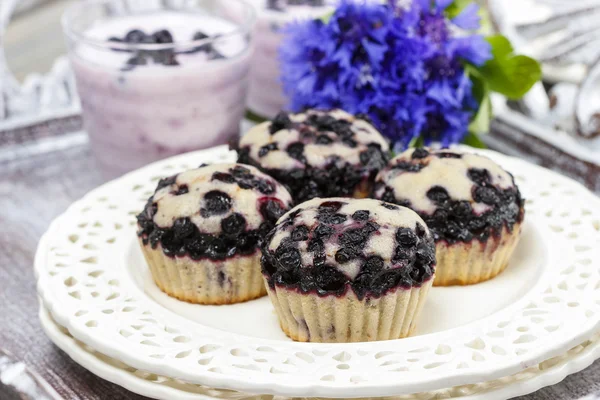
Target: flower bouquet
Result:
[420, 70]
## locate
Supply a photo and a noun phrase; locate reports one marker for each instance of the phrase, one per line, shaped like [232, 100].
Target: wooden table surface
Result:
[38, 180]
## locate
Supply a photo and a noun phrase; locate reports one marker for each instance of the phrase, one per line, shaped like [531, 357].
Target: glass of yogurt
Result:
[159, 77]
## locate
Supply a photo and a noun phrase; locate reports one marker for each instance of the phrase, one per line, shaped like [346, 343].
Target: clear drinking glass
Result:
[145, 97]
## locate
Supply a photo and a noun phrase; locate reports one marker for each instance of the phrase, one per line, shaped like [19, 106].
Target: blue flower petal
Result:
[378, 59]
[468, 18]
[443, 4]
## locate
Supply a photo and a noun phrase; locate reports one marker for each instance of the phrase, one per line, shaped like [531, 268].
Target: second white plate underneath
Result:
[159, 387]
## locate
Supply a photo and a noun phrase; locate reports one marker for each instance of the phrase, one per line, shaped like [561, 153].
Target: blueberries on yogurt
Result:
[165, 57]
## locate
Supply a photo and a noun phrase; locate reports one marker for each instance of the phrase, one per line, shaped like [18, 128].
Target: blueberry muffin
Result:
[317, 153]
[202, 229]
[471, 205]
[348, 270]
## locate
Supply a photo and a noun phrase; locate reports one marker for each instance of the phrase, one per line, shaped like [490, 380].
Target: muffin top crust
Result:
[338, 244]
[460, 195]
[314, 139]
[215, 205]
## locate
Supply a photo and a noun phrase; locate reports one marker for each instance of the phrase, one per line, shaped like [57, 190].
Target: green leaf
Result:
[254, 117]
[509, 74]
[456, 7]
[417, 142]
[512, 77]
[325, 18]
[480, 123]
[501, 46]
[474, 141]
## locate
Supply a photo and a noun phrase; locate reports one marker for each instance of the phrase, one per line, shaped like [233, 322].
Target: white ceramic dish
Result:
[159, 387]
[94, 282]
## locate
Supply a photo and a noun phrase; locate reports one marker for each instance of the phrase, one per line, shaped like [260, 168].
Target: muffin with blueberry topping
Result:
[348, 270]
[317, 153]
[202, 229]
[471, 205]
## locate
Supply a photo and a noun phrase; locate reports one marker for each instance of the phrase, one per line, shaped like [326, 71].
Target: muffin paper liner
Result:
[308, 317]
[474, 262]
[204, 281]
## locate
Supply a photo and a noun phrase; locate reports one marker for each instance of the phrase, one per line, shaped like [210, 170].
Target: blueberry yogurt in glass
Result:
[157, 80]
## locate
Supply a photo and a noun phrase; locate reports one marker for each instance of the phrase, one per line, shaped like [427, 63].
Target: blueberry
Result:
[419, 153]
[233, 225]
[296, 151]
[247, 242]
[323, 140]
[406, 237]
[138, 59]
[323, 231]
[403, 255]
[287, 277]
[487, 195]
[280, 122]
[162, 36]
[438, 194]
[241, 172]
[217, 249]
[216, 203]
[295, 213]
[349, 142]
[198, 244]
[462, 209]
[165, 57]
[319, 259]
[182, 228]
[223, 177]
[345, 254]
[479, 176]
[389, 206]
[353, 237]
[166, 182]
[155, 237]
[332, 219]
[361, 215]
[316, 246]
[265, 187]
[476, 224]
[300, 233]
[420, 230]
[364, 117]
[330, 206]
[246, 183]
[448, 154]
[322, 122]
[135, 36]
[264, 150]
[386, 280]
[388, 195]
[373, 265]
[329, 279]
[200, 36]
[288, 257]
[426, 254]
[373, 157]
[182, 189]
[267, 266]
[408, 166]
[272, 209]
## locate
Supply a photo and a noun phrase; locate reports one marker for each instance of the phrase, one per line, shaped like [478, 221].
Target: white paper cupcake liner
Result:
[470, 263]
[332, 319]
[205, 281]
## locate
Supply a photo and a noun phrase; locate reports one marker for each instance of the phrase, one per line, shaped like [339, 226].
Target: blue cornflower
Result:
[403, 66]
